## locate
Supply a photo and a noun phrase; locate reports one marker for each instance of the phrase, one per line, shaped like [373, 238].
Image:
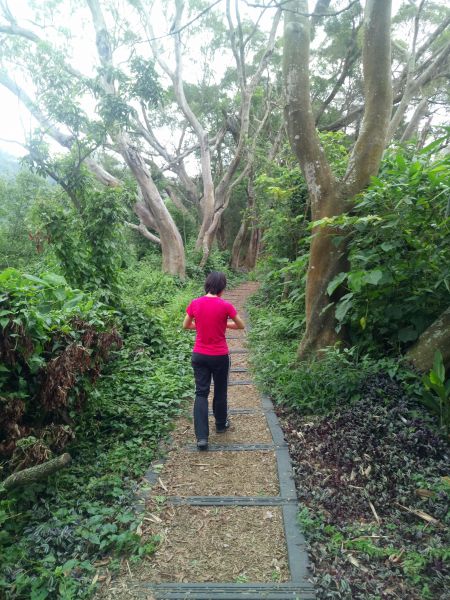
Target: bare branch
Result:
[236, 49]
[284, 4]
[350, 59]
[64, 139]
[409, 86]
[16, 30]
[177, 30]
[144, 231]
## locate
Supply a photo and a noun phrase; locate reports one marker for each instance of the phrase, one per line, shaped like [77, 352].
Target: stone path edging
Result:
[232, 591]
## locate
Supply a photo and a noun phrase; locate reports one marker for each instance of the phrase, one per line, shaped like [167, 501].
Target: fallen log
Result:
[436, 337]
[33, 474]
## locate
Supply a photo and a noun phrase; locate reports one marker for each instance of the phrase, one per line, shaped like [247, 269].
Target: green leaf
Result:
[34, 279]
[356, 280]
[438, 366]
[343, 307]
[54, 279]
[336, 282]
[373, 277]
[435, 379]
[60, 294]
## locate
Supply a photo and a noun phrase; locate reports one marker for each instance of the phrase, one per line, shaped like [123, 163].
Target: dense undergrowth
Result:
[115, 411]
[373, 483]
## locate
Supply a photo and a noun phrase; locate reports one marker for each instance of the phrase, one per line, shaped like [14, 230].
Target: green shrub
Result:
[436, 392]
[53, 532]
[399, 250]
[43, 319]
[310, 387]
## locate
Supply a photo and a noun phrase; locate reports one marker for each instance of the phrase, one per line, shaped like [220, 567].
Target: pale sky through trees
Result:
[15, 121]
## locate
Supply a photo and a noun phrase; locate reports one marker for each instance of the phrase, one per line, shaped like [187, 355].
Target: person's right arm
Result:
[238, 323]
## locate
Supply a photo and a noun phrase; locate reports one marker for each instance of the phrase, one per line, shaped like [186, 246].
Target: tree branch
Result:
[62, 138]
[284, 6]
[350, 59]
[366, 155]
[144, 231]
[177, 30]
[409, 87]
[298, 110]
[36, 473]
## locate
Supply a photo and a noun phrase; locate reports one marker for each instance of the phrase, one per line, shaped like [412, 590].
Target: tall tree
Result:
[56, 114]
[216, 195]
[328, 196]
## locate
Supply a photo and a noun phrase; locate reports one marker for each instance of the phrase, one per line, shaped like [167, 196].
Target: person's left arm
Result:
[189, 322]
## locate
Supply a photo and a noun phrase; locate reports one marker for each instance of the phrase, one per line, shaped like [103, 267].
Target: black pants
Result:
[204, 367]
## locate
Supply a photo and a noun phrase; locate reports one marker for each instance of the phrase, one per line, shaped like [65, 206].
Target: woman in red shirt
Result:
[209, 315]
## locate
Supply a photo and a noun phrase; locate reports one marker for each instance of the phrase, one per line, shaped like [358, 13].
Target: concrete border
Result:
[230, 591]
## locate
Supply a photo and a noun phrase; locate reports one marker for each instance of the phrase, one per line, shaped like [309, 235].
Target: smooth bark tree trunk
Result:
[173, 257]
[253, 247]
[326, 260]
[412, 128]
[436, 337]
[237, 245]
[329, 197]
[221, 236]
[214, 208]
[248, 232]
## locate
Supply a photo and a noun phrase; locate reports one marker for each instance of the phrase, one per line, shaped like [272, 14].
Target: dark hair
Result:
[215, 283]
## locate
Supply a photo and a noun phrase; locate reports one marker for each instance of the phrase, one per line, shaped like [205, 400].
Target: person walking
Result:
[210, 316]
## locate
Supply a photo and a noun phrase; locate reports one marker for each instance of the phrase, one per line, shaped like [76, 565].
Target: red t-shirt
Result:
[211, 314]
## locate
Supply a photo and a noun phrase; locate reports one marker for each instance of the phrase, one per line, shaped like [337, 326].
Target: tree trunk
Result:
[237, 245]
[248, 231]
[436, 337]
[33, 474]
[221, 195]
[173, 258]
[413, 126]
[329, 197]
[222, 236]
[326, 260]
[253, 247]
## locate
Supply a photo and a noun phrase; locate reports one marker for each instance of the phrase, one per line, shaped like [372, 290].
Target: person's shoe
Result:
[223, 428]
[202, 444]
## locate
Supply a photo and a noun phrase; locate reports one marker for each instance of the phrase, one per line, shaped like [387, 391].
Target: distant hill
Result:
[9, 164]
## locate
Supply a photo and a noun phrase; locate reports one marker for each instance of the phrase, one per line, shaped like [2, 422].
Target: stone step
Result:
[236, 447]
[232, 500]
[230, 591]
[242, 411]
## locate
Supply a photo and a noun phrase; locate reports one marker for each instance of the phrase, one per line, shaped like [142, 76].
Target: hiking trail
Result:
[227, 517]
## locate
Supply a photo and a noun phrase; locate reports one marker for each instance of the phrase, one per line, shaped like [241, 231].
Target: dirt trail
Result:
[225, 517]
